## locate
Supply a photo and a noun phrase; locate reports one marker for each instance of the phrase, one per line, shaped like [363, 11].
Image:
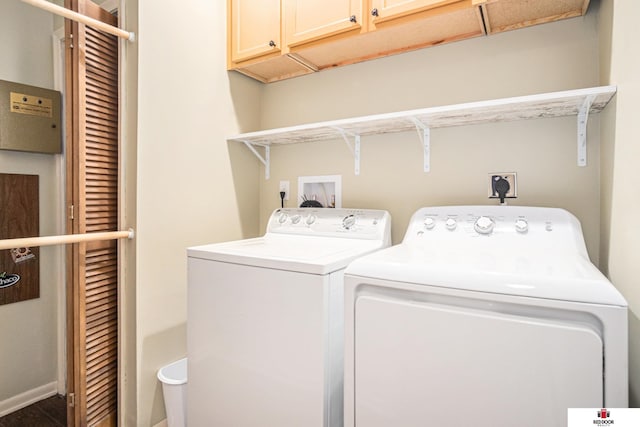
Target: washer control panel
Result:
[483, 224]
[498, 223]
[352, 223]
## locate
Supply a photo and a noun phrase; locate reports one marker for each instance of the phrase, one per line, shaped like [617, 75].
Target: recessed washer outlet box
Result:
[511, 179]
[326, 190]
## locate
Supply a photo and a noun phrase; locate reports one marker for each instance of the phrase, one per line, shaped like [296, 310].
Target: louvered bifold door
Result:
[92, 168]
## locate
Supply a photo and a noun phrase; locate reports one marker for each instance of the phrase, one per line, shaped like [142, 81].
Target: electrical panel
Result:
[30, 118]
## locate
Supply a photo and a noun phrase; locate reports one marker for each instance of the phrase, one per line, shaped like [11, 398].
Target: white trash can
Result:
[174, 389]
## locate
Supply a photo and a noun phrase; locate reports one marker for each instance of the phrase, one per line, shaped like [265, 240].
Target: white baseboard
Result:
[162, 423]
[27, 398]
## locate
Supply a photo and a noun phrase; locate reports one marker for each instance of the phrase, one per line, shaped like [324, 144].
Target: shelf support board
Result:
[424, 134]
[355, 149]
[266, 160]
[583, 118]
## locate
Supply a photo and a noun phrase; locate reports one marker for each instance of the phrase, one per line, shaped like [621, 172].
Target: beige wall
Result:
[544, 58]
[620, 63]
[192, 188]
[29, 350]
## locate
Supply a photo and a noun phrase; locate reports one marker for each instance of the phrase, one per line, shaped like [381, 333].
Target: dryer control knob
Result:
[349, 221]
[451, 224]
[522, 226]
[283, 218]
[311, 219]
[484, 225]
[296, 219]
[429, 223]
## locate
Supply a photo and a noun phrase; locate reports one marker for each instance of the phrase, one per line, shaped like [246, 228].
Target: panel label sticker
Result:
[31, 105]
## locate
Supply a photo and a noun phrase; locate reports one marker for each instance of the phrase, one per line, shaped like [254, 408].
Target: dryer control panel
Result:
[501, 225]
[347, 223]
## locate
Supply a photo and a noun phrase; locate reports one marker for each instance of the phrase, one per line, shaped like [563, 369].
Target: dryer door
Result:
[419, 363]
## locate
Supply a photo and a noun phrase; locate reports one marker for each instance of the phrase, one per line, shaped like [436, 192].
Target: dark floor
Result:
[51, 412]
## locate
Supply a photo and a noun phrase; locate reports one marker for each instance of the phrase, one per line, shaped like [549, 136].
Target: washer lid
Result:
[305, 254]
[530, 272]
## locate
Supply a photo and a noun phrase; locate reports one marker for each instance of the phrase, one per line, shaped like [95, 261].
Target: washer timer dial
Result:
[348, 222]
[484, 225]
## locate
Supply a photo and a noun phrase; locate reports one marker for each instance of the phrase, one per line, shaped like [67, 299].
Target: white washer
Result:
[483, 316]
[265, 319]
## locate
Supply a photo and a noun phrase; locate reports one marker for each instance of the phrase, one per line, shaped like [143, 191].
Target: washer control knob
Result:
[484, 225]
[348, 221]
[522, 226]
[295, 219]
[311, 219]
[451, 224]
[429, 223]
[283, 218]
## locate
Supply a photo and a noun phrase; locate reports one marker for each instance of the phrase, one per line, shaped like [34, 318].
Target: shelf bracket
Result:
[266, 160]
[424, 133]
[355, 149]
[583, 118]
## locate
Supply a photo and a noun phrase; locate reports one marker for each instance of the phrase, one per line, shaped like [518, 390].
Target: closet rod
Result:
[75, 16]
[29, 242]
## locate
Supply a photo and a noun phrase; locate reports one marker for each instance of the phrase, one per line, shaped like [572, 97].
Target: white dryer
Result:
[483, 316]
[265, 319]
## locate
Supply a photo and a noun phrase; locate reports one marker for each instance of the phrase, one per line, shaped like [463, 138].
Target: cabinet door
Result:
[254, 28]
[310, 20]
[383, 10]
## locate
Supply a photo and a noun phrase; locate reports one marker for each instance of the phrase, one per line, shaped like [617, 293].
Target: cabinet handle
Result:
[374, 12]
[353, 18]
[272, 43]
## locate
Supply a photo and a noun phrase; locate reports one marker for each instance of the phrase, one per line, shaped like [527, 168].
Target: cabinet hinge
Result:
[71, 212]
[72, 400]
